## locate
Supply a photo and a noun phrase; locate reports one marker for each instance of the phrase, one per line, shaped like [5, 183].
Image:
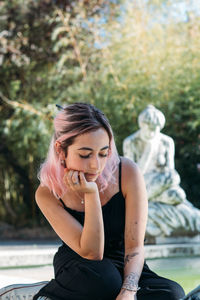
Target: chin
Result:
[91, 178]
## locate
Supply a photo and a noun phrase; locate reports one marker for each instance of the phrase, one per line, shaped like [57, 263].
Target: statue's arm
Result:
[170, 153]
[146, 157]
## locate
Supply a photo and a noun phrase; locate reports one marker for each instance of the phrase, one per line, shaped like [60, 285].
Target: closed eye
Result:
[84, 156]
[103, 155]
[88, 156]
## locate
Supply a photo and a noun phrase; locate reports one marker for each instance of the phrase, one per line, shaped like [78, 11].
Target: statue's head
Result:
[151, 121]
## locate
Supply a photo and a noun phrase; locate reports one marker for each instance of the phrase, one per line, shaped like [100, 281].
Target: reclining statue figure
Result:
[170, 213]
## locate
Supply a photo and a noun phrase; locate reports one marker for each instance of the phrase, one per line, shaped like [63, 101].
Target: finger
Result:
[65, 178]
[75, 178]
[69, 175]
[82, 178]
[69, 178]
[66, 171]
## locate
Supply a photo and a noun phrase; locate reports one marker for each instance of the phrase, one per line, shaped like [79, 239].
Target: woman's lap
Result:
[85, 279]
[101, 280]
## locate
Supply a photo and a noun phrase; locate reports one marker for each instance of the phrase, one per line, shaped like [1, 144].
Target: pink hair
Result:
[72, 121]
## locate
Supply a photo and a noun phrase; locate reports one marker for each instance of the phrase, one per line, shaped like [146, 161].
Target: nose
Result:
[95, 163]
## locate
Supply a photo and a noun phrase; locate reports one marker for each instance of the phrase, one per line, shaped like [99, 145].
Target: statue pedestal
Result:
[178, 240]
[172, 250]
[172, 240]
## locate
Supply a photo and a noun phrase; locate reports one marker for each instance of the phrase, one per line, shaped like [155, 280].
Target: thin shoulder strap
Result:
[62, 202]
[120, 171]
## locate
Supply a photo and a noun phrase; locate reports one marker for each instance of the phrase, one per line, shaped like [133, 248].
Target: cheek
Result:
[75, 163]
[103, 163]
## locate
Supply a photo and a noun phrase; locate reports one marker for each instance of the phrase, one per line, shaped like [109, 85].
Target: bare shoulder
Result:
[129, 168]
[131, 174]
[44, 196]
[42, 191]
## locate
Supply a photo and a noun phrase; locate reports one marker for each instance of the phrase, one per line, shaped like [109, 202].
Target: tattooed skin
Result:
[129, 257]
[131, 281]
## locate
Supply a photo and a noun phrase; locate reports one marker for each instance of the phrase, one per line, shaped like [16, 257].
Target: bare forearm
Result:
[92, 237]
[133, 264]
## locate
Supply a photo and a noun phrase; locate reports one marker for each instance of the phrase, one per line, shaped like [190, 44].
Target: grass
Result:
[188, 279]
[185, 271]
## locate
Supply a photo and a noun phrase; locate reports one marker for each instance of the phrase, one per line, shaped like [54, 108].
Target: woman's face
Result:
[89, 153]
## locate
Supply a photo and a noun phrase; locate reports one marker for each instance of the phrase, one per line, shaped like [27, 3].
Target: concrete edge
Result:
[35, 256]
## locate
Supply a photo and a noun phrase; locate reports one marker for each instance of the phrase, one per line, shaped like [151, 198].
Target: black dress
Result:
[77, 278]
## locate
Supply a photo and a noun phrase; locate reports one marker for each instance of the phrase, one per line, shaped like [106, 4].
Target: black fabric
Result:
[77, 278]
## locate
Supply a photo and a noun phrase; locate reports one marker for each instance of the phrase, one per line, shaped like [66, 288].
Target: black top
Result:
[114, 224]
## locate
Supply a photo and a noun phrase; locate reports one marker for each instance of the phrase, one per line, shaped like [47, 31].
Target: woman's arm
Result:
[87, 240]
[133, 188]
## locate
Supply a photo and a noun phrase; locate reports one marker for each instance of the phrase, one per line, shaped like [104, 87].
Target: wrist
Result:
[92, 192]
[129, 288]
[126, 294]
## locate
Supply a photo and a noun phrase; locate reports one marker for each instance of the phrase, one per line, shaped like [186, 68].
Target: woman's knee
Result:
[160, 289]
[93, 279]
[176, 291]
[109, 280]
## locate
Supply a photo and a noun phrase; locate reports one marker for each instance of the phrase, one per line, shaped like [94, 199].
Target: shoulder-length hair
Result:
[72, 121]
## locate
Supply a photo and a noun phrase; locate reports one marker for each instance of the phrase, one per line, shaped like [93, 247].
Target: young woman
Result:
[96, 202]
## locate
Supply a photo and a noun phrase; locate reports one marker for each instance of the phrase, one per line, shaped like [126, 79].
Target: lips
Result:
[90, 174]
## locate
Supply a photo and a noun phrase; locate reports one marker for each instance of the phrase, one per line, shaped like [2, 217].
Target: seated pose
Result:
[96, 202]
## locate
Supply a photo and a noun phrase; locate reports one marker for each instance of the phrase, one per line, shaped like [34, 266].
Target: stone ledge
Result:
[29, 257]
[173, 240]
[172, 250]
[37, 255]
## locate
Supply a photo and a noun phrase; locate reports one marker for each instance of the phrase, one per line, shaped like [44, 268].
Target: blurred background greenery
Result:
[118, 55]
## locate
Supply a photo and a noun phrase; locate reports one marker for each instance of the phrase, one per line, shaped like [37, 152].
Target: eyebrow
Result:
[90, 149]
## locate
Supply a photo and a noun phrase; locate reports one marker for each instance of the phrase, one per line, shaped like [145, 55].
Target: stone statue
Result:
[170, 213]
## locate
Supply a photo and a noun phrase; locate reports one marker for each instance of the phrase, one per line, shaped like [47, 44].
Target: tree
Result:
[45, 50]
[113, 54]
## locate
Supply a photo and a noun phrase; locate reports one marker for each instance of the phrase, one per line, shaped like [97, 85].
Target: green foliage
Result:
[146, 62]
[45, 48]
[91, 51]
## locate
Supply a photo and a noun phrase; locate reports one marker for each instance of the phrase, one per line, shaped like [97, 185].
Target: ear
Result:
[60, 152]
[57, 146]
